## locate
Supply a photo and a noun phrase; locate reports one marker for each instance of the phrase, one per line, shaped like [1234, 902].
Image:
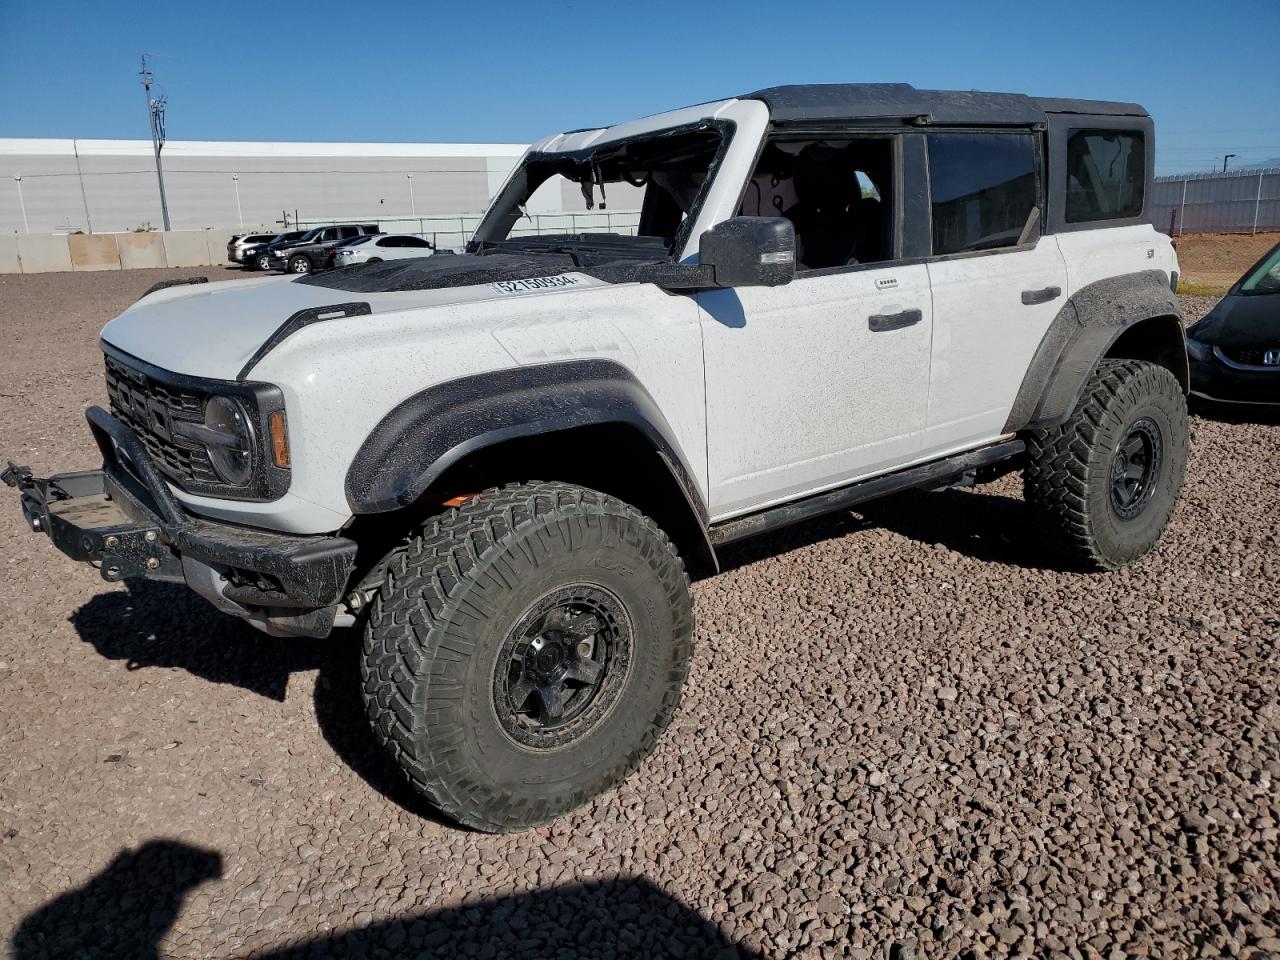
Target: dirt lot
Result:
[1218, 259]
[907, 733]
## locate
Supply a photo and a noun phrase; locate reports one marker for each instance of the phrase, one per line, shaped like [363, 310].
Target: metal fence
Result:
[453, 233]
[1239, 201]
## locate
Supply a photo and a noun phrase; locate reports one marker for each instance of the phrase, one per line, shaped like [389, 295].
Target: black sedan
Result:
[1235, 347]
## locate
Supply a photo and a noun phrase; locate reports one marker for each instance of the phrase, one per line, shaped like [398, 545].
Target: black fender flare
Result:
[424, 435]
[1080, 335]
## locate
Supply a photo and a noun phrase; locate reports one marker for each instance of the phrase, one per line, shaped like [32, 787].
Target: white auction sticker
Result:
[535, 283]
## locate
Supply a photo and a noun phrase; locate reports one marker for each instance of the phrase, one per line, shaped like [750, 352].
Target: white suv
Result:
[500, 465]
[393, 246]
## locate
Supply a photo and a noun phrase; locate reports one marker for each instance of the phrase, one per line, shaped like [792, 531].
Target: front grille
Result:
[1248, 356]
[149, 408]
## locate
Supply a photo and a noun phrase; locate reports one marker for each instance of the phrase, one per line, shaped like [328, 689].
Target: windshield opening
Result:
[634, 195]
[1265, 277]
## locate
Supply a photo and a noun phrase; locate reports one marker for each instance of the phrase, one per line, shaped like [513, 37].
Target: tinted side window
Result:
[348, 231]
[413, 242]
[389, 242]
[1106, 174]
[982, 189]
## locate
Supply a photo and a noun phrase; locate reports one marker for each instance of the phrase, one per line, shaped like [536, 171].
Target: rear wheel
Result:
[299, 264]
[525, 652]
[1104, 483]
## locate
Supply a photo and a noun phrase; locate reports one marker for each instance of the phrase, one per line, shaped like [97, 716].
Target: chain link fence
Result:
[1238, 201]
[453, 233]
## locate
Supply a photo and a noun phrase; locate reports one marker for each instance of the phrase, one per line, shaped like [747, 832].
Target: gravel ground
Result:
[906, 734]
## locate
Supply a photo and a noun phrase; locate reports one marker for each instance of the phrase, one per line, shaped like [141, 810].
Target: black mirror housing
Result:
[750, 252]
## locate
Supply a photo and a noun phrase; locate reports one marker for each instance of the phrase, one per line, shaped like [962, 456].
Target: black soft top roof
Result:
[854, 101]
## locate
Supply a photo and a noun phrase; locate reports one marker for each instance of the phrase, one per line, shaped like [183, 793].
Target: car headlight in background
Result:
[228, 438]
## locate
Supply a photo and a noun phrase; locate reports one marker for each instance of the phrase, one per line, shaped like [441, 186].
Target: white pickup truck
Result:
[503, 466]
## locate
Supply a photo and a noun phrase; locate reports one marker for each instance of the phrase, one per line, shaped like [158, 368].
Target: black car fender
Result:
[1091, 321]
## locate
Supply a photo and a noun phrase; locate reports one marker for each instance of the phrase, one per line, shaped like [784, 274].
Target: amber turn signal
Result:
[279, 439]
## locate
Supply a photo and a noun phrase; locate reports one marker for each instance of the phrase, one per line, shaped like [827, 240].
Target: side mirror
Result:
[750, 252]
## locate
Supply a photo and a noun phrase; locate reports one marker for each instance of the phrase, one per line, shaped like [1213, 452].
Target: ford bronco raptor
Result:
[503, 466]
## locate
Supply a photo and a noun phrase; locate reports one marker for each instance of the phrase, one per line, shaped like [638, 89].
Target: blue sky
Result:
[509, 72]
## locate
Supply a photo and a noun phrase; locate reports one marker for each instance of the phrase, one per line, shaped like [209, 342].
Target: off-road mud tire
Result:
[1068, 476]
[452, 594]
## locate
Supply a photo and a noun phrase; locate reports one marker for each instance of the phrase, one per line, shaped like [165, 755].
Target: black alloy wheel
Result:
[1135, 465]
[561, 668]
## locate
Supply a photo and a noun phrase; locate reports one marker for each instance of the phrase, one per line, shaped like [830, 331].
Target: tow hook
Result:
[26, 484]
[16, 476]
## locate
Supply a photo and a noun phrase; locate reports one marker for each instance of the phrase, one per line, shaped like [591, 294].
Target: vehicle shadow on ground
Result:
[1235, 413]
[125, 912]
[155, 624]
[989, 527]
[152, 624]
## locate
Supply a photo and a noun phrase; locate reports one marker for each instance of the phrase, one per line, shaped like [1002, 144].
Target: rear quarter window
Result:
[1106, 175]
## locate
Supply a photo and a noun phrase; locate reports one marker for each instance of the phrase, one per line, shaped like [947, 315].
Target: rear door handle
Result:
[880, 322]
[1044, 295]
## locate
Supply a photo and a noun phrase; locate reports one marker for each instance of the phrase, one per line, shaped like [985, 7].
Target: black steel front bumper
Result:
[125, 517]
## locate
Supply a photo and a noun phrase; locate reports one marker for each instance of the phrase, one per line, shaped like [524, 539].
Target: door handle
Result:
[1044, 295]
[880, 322]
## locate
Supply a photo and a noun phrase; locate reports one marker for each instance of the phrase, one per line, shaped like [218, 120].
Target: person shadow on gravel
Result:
[123, 912]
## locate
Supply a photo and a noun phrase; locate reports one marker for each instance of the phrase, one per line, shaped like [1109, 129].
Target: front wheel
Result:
[299, 264]
[263, 262]
[1104, 483]
[525, 652]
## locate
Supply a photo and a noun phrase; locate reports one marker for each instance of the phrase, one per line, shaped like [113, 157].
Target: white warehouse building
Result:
[109, 186]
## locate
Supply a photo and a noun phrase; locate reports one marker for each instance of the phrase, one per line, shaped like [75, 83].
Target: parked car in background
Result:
[255, 256]
[1235, 347]
[308, 252]
[240, 243]
[392, 246]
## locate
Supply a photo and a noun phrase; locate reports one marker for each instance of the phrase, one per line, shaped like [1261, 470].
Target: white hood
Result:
[214, 329]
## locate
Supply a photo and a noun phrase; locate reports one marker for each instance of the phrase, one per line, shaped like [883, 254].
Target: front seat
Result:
[825, 212]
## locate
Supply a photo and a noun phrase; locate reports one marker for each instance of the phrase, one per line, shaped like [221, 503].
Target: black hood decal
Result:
[465, 270]
[1242, 321]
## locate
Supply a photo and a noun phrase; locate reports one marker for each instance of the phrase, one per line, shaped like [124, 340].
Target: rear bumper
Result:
[125, 518]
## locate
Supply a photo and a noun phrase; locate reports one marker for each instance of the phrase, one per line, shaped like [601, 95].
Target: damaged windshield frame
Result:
[510, 206]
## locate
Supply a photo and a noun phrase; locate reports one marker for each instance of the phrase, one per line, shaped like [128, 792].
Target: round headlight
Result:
[231, 449]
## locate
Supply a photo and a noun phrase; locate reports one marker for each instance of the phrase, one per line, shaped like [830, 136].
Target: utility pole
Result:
[17, 178]
[155, 113]
[1229, 156]
[235, 180]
